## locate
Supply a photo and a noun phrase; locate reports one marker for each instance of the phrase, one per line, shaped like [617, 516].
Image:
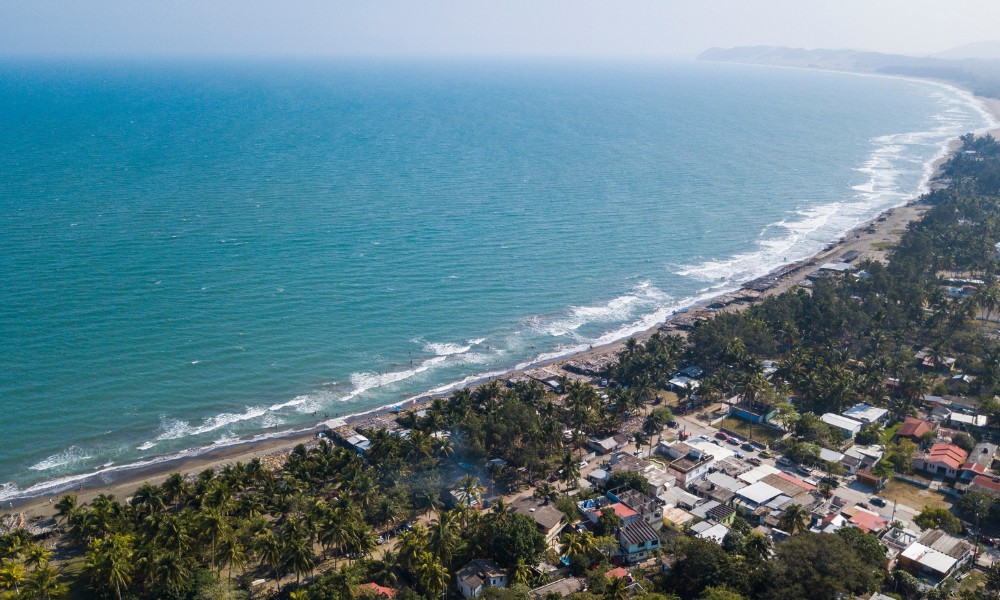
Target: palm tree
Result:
[213, 524]
[545, 491]
[384, 570]
[231, 554]
[173, 571]
[431, 575]
[756, 547]
[108, 562]
[472, 491]
[445, 537]
[65, 507]
[37, 557]
[44, 585]
[11, 575]
[795, 519]
[569, 470]
[617, 589]
[578, 544]
[268, 547]
[522, 572]
[297, 555]
[147, 500]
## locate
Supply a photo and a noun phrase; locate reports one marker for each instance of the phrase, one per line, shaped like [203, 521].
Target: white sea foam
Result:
[69, 456]
[806, 232]
[106, 472]
[642, 297]
[173, 428]
[145, 446]
[444, 349]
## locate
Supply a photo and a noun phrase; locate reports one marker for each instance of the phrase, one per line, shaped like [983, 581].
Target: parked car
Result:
[740, 455]
[765, 454]
[672, 424]
[876, 501]
[733, 441]
[753, 460]
[721, 436]
[831, 481]
[748, 447]
[784, 461]
[803, 470]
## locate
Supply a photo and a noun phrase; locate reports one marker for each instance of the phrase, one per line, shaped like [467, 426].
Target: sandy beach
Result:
[869, 241]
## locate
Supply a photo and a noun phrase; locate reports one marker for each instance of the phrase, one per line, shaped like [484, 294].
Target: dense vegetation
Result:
[839, 343]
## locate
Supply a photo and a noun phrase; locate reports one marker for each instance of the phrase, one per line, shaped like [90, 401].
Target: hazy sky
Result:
[457, 28]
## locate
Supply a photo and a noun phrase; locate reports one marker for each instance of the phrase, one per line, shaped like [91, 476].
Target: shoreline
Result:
[869, 239]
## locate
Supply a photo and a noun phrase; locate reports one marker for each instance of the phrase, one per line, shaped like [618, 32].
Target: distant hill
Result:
[979, 75]
[989, 50]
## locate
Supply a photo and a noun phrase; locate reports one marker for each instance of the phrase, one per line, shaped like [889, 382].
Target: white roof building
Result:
[848, 427]
[716, 533]
[757, 494]
[866, 413]
[830, 455]
[929, 558]
[757, 473]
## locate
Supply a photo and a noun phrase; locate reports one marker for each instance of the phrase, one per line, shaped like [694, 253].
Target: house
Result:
[936, 555]
[752, 497]
[603, 446]
[966, 422]
[690, 462]
[477, 575]
[638, 541]
[914, 429]
[866, 477]
[867, 414]
[846, 426]
[859, 457]
[865, 520]
[753, 412]
[548, 519]
[715, 533]
[562, 587]
[987, 485]
[599, 477]
[941, 459]
[375, 589]
[650, 509]
[676, 517]
[359, 443]
[980, 462]
[721, 514]
[830, 269]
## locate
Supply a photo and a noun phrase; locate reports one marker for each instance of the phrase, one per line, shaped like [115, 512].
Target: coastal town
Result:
[834, 437]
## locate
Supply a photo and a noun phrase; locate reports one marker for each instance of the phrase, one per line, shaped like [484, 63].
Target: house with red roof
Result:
[987, 485]
[914, 429]
[627, 515]
[374, 589]
[942, 459]
[865, 520]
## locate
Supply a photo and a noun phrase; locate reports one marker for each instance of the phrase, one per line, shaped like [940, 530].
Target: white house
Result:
[477, 575]
[846, 426]
[866, 413]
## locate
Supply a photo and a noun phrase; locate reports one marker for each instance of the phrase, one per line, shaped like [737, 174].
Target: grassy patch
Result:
[890, 432]
[760, 434]
[914, 497]
[971, 581]
[881, 245]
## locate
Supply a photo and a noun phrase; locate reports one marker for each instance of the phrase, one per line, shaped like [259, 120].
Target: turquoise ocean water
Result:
[194, 253]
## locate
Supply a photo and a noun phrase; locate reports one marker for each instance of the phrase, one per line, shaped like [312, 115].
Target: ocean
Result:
[195, 253]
